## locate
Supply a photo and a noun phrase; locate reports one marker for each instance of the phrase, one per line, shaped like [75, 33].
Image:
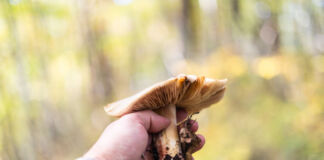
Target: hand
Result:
[128, 137]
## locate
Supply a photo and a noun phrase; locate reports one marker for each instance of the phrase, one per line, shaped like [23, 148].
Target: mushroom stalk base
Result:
[167, 142]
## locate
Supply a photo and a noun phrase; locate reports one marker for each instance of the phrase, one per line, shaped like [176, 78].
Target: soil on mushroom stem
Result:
[189, 143]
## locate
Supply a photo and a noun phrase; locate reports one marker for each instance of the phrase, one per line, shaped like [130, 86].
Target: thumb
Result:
[151, 121]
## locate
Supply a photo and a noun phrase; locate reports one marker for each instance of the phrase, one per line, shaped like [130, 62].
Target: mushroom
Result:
[189, 92]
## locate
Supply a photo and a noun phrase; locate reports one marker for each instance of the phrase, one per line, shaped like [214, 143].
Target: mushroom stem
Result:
[167, 141]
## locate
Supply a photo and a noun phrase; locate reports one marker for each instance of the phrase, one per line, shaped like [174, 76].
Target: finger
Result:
[151, 121]
[181, 115]
[202, 142]
[194, 125]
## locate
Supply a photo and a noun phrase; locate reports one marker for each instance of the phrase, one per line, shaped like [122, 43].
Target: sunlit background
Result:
[61, 61]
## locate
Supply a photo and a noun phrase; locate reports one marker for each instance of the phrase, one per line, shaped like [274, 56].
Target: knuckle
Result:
[132, 117]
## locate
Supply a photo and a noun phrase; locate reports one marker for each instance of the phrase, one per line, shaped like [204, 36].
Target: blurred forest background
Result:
[61, 61]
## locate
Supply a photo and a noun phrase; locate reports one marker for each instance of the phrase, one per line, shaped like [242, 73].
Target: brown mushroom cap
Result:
[192, 93]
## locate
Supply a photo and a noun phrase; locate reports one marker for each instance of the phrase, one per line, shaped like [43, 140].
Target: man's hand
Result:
[128, 137]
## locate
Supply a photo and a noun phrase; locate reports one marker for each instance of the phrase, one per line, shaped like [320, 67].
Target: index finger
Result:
[181, 115]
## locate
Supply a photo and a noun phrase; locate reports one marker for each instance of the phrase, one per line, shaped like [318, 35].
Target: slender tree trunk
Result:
[100, 69]
[191, 29]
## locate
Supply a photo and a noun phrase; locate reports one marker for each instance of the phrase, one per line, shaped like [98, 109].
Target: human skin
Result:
[129, 137]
